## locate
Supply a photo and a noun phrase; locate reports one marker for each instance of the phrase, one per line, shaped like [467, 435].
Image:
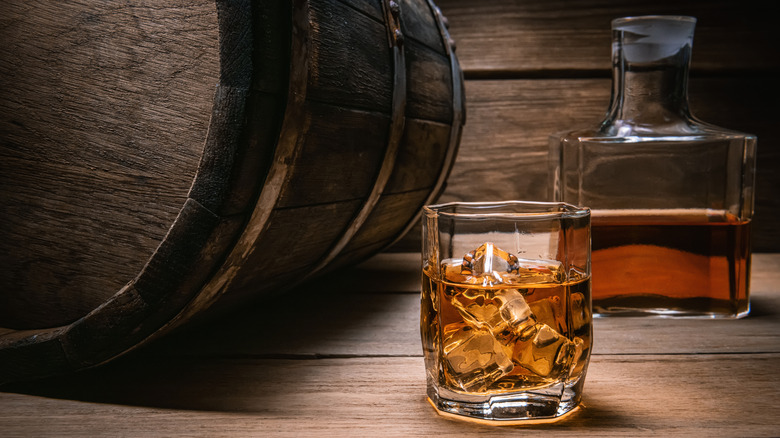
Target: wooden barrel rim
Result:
[214, 231]
[145, 303]
[397, 119]
[458, 119]
[286, 148]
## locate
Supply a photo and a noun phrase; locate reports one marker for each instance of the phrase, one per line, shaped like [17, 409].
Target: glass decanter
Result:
[671, 196]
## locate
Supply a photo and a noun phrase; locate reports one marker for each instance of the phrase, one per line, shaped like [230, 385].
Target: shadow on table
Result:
[761, 307]
[245, 360]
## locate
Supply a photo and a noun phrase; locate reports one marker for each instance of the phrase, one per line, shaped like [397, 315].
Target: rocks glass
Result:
[506, 318]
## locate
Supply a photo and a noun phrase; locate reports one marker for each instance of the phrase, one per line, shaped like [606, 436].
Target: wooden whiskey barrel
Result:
[160, 162]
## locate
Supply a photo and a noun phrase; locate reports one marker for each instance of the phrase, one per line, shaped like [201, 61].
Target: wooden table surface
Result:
[342, 357]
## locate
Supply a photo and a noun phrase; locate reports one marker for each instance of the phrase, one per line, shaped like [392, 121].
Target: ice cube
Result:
[518, 315]
[474, 358]
[487, 264]
[550, 311]
[580, 311]
[451, 273]
[480, 308]
[494, 310]
[537, 272]
[577, 362]
[547, 354]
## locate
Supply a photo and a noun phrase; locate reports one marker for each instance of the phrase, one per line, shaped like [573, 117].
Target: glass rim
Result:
[482, 210]
[640, 18]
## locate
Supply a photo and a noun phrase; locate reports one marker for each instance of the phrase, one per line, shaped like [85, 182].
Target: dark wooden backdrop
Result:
[534, 67]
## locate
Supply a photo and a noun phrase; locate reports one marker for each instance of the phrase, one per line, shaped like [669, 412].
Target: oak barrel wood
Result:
[161, 163]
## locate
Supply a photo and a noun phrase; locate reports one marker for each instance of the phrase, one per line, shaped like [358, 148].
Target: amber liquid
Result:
[503, 338]
[683, 262]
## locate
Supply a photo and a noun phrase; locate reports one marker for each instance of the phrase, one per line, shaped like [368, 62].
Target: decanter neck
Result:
[650, 63]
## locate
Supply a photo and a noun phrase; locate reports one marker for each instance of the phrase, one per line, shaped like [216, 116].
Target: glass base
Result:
[661, 307]
[541, 405]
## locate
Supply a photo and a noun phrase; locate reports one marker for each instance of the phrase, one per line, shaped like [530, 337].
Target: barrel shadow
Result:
[250, 359]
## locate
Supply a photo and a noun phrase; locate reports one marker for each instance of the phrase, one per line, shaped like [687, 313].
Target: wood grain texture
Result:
[342, 358]
[351, 64]
[89, 93]
[416, 168]
[419, 24]
[383, 319]
[429, 83]
[286, 173]
[624, 396]
[520, 38]
[339, 157]
[391, 214]
[503, 152]
[535, 68]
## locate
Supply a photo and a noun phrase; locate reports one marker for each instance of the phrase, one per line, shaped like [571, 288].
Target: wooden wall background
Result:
[534, 67]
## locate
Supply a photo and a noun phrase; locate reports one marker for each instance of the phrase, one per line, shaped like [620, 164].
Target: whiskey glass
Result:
[506, 319]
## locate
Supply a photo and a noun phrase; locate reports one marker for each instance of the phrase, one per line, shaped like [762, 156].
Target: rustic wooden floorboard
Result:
[341, 357]
[374, 310]
[643, 395]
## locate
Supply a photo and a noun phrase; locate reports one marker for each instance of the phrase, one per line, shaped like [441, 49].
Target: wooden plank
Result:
[429, 82]
[416, 167]
[352, 366]
[374, 310]
[350, 58]
[503, 150]
[419, 23]
[287, 251]
[508, 37]
[510, 121]
[390, 215]
[294, 242]
[668, 395]
[372, 8]
[339, 157]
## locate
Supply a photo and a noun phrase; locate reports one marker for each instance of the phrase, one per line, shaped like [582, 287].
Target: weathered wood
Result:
[351, 64]
[416, 166]
[430, 91]
[513, 38]
[390, 214]
[303, 135]
[374, 310]
[503, 152]
[418, 24]
[342, 357]
[325, 168]
[505, 42]
[406, 192]
[78, 216]
[624, 395]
